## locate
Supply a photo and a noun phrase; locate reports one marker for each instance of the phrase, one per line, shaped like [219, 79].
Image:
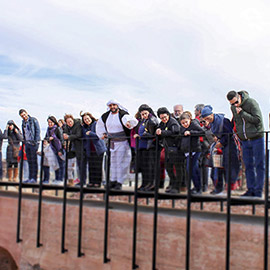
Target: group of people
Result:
[187, 146]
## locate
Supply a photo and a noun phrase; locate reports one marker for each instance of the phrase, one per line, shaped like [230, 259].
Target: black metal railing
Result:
[137, 194]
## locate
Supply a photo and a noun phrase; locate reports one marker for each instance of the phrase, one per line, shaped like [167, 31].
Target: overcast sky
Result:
[60, 57]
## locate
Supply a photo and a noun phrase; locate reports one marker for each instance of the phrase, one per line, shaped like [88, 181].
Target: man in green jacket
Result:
[249, 128]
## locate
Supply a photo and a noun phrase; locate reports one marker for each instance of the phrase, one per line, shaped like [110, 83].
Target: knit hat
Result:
[162, 110]
[207, 110]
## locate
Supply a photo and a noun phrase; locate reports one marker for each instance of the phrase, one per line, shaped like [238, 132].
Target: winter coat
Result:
[1, 139]
[75, 145]
[196, 130]
[14, 140]
[57, 142]
[99, 144]
[169, 131]
[249, 122]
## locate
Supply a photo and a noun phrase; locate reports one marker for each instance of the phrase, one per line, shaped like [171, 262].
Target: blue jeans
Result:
[46, 171]
[31, 154]
[253, 156]
[196, 174]
[59, 174]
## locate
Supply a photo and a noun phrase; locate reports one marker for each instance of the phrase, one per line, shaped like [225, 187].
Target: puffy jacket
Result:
[168, 132]
[194, 129]
[75, 138]
[249, 122]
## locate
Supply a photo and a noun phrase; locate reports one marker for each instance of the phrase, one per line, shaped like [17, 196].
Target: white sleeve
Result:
[100, 128]
[131, 119]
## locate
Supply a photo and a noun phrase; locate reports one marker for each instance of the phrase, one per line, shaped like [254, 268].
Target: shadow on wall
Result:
[6, 260]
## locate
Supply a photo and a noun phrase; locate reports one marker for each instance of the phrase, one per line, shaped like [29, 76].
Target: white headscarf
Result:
[114, 101]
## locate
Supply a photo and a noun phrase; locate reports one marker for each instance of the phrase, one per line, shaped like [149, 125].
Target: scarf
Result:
[217, 125]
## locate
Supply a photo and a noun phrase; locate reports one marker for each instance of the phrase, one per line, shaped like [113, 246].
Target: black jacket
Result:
[196, 131]
[169, 132]
[75, 138]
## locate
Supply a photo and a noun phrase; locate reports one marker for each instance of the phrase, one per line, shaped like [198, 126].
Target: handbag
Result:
[15, 151]
[170, 149]
[217, 159]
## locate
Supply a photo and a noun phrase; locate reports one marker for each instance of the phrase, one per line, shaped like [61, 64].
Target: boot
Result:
[10, 171]
[15, 174]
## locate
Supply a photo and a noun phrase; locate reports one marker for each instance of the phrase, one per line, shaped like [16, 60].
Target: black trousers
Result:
[147, 165]
[175, 167]
[94, 163]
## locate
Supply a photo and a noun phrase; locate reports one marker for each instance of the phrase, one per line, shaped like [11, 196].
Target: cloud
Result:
[64, 56]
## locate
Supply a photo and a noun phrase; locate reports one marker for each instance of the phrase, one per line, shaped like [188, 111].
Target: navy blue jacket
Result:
[92, 137]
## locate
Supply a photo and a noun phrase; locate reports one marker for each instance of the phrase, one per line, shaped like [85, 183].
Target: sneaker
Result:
[173, 191]
[248, 194]
[222, 193]
[204, 188]
[117, 186]
[141, 188]
[45, 182]
[150, 187]
[58, 182]
[195, 191]
[32, 181]
[215, 192]
[257, 194]
[76, 181]
[26, 181]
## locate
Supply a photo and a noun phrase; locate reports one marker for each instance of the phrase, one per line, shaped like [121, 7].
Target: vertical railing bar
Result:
[221, 206]
[201, 206]
[81, 204]
[105, 255]
[266, 204]
[155, 223]
[134, 247]
[18, 239]
[63, 249]
[40, 196]
[253, 209]
[188, 221]
[228, 227]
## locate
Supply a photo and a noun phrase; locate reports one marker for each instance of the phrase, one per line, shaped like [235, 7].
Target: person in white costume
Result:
[116, 124]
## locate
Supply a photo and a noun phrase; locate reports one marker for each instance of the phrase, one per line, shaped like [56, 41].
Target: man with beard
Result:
[116, 124]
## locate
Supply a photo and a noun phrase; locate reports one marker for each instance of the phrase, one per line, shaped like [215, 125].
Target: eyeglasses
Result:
[164, 117]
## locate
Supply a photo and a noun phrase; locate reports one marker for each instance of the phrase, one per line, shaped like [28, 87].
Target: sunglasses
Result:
[236, 102]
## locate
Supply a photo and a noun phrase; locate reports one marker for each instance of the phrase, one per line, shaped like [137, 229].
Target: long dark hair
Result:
[89, 114]
[53, 119]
